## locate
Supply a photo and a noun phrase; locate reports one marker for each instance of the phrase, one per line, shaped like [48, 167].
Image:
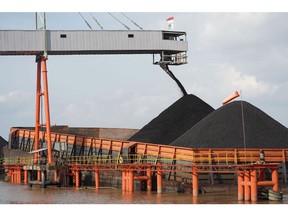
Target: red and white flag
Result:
[170, 22]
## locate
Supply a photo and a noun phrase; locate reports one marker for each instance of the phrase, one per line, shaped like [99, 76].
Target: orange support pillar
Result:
[16, 176]
[47, 110]
[254, 185]
[131, 180]
[149, 181]
[19, 176]
[25, 177]
[159, 178]
[127, 180]
[12, 176]
[55, 175]
[124, 180]
[247, 192]
[37, 114]
[240, 186]
[38, 175]
[77, 180]
[275, 180]
[97, 179]
[195, 185]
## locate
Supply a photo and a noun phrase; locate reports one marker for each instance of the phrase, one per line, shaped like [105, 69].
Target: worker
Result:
[262, 157]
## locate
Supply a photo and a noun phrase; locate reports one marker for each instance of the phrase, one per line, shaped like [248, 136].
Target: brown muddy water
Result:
[21, 194]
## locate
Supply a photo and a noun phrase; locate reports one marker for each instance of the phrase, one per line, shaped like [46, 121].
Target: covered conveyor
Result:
[170, 45]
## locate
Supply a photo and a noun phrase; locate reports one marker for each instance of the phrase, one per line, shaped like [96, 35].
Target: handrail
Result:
[199, 155]
[115, 159]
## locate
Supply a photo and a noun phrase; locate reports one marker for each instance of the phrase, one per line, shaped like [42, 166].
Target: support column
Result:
[97, 179]
[38, 175]
[77, 180]
[159, 178]
[55, 175]
[195, 181]
[16, 176]
[47, 110]
[275, 180]
[284, 168]
[37, 112]
[131, 180]
[149, 181]
[284, 173]
[19, 176]
[127, 180]
[247, 192]
[25, 177]
[12, 176]
[124, 180]
[254, 185]
[240, 186]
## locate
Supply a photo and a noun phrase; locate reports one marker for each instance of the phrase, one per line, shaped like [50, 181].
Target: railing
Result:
[160, 152]
[16, 160]
[140, 159]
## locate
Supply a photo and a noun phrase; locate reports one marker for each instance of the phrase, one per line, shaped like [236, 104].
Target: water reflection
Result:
[195, 200]
[18, 194]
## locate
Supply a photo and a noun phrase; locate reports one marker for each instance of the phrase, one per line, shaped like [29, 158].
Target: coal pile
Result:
[174, 121]
[223, 128]
[3, 143]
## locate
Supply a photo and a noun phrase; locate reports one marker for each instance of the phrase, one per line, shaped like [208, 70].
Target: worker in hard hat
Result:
[262, 157]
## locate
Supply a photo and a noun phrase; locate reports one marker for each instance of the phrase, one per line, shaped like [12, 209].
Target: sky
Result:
[233, 45]
[228, 51]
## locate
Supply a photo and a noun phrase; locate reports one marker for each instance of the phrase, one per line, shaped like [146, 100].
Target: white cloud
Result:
[250, 18]
[14, 97]
[214, 82]
[246, 82]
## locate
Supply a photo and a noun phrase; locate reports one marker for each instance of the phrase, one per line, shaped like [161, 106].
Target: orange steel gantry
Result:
[250, 176]
[42, 68]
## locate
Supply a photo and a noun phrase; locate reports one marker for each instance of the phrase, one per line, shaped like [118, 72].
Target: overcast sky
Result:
[227, 52]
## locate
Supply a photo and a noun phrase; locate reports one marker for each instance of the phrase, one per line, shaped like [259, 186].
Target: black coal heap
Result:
[174, 121]
[223, 129]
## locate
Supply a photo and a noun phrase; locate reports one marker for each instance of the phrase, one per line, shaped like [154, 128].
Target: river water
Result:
[21, 194]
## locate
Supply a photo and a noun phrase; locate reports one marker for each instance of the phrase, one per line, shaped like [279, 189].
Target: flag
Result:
[170, 22]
